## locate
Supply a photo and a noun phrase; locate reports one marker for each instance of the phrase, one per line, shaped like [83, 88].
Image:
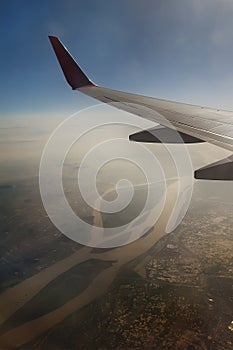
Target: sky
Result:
[174, 49]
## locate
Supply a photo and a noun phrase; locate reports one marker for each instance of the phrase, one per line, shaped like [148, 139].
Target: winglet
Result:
[73, 74]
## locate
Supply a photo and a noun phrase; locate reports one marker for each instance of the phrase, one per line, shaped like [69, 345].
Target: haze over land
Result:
[38, 260]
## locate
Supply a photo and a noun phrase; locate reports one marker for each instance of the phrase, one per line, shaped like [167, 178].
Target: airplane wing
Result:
[194, 123]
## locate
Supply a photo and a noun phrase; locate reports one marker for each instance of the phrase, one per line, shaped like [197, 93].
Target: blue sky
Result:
[175, 49]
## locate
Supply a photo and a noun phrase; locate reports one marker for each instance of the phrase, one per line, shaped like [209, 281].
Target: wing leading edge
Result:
[200, 123]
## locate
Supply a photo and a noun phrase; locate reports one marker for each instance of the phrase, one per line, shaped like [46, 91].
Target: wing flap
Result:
[163, 135]
[222, 170]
